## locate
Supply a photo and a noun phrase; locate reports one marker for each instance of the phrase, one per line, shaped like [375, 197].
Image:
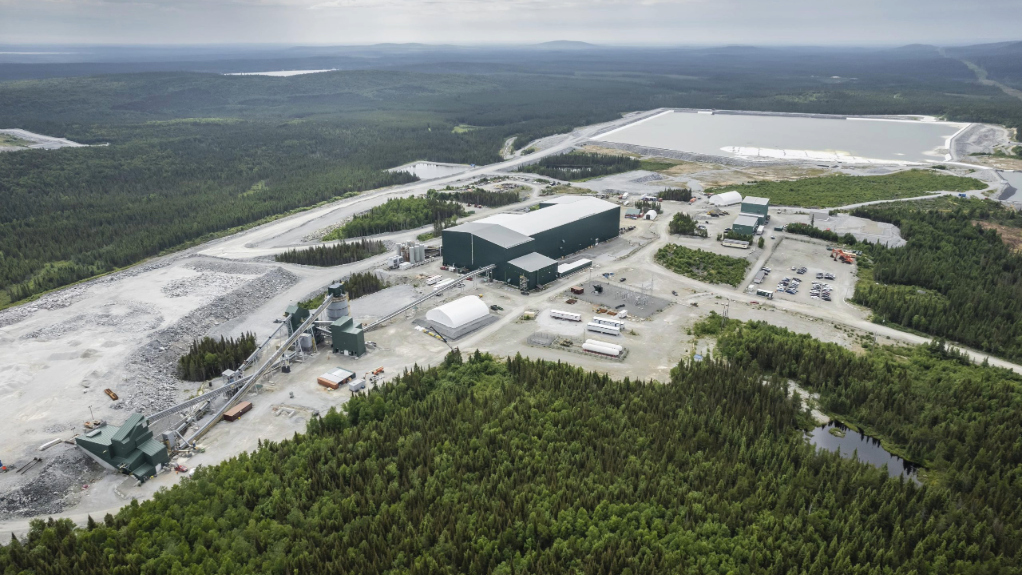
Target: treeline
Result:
[683, 224]
[843, 190]
[702, 265]
[335, 255]
[952, 278]
[675, 194]
[208, 357]
[815, 232]
[927, 403]
[364, 283]
[575, 166]
[480, 196]
[544, 469]
[399, 214]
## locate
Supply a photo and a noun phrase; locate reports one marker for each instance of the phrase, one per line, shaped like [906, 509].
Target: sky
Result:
[614, 22]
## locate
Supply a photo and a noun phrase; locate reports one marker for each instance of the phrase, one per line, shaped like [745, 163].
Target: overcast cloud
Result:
[665, 22]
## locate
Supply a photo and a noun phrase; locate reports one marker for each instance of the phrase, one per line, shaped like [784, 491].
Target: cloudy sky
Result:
[671, 22]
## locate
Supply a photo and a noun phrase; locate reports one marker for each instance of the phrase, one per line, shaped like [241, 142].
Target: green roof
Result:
[128, 427]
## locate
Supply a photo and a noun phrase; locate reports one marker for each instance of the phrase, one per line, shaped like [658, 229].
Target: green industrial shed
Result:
[129, 448]
[536, 268]
[561, 227]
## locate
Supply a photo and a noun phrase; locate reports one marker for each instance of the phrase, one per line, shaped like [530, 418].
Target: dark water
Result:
[866, 448]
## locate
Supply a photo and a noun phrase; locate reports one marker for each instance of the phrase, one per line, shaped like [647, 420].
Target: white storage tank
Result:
[601, 349]
[605, 343]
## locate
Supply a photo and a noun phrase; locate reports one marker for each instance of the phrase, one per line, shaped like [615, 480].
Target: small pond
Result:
[430, 170]
[867, 449]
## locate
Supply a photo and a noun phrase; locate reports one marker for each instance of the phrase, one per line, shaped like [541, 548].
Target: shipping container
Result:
[605, 329]
[357, 385]
[433, 279]
[577, 290]
[565, 315]
[237, 411]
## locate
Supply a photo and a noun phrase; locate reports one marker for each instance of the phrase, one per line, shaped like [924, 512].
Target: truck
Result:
[765, 293]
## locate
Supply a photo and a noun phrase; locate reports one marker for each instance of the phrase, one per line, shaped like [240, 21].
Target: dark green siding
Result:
[539, 277]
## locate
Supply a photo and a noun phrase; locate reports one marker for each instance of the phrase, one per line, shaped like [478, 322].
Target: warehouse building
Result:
[348, 337]
[758, 208]
[745, 224]
[559, 228]
[459, 317]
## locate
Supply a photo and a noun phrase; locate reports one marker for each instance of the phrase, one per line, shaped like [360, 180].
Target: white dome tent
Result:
[459, 317]
[726, 199]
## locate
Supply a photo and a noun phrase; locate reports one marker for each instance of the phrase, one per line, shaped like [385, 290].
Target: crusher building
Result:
[529, 244]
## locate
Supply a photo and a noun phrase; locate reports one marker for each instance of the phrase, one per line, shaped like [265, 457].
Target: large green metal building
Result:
[559, 228]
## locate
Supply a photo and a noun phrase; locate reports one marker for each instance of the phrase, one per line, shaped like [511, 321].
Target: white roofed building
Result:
[726, 199]
[459, 317]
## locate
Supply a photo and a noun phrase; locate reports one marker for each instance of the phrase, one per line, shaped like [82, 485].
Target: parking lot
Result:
[820, 275]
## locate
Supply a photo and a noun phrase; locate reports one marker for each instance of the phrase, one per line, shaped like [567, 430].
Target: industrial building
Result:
[755, 213]
[532, 270]
[130, 448]
[559, 228]
[459, 317]
[348, 337]
[745, 224]
[726, 199]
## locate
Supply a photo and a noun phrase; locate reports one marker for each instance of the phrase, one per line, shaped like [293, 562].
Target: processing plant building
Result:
[529, 244]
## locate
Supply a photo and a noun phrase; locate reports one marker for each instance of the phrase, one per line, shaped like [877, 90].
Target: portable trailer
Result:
[565, 315]
[605, 329]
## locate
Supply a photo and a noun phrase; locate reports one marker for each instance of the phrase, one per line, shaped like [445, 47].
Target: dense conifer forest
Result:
[675, 194]
[483, 466]
[844, 190]
[363, 283]
[481, 197]
[335, 255]
[399, 214]
[683, 224]
[208, 357]
[577, 166]
[953, 278]
[815, 232]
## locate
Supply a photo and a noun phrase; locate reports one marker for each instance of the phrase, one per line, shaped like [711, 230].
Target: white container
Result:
[604, 329]
[620, 325]
[622, 314]
[356, 385]
[565, 315]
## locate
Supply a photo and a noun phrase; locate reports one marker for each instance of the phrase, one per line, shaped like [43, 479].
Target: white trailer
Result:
[433, 279]
[620, 325]
[441, 284]
[605, 329]
[601, 349]
[565, 315]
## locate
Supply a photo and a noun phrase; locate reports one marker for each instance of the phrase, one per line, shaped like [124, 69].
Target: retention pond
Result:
[853, 444]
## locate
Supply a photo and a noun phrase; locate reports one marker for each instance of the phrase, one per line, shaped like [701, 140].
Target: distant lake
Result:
[280, 73]
[868, 449]
[429, 170]
[823, 140]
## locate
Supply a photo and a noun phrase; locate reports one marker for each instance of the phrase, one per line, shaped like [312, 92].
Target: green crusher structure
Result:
[348, 337]
[130, 448]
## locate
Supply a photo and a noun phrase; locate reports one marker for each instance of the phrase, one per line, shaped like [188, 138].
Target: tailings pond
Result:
[429, 170]
[771, 138]
[866, 449]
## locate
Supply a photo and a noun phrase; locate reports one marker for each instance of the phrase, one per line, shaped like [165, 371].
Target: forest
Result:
[644, 206]
[577, 166]
[479, 196]
[399, 214]
[183, 157]
[675, 194]
[335, 255]
[930, 404]
[208, 357]
[843, 190]
[953, 278]
[485, 466]
[363, 283]
[702, 265]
